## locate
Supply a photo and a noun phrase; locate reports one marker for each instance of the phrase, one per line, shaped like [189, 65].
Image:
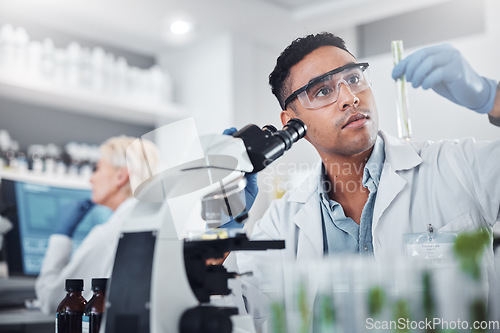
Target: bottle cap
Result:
[74, 284]
[99, 284]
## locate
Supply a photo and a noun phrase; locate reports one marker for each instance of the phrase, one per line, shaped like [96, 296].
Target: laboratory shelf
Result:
[44, 179]
[91, 103]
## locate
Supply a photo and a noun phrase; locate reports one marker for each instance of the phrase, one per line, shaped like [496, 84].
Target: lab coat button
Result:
[365, 248]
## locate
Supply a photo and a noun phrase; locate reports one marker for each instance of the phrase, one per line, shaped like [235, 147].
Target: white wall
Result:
[203, 85]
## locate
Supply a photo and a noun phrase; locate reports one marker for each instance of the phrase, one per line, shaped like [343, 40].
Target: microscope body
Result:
[160, 282]
[146, 283]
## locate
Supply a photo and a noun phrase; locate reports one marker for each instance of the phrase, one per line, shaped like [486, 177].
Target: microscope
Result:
[161, 282]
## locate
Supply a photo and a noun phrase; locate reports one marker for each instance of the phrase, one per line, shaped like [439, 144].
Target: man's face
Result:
[347, 127]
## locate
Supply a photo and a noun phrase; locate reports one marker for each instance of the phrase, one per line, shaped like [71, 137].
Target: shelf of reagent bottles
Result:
[32, 177]
[88, 102]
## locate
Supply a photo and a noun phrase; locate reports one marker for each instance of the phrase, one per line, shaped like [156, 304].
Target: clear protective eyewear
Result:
[324, 90]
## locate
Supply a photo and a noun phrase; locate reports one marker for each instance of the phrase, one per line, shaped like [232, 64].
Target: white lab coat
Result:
[92, 259]
[455, 185]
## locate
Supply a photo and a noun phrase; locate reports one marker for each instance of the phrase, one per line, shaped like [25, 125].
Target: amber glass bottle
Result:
[70, 310]
[94, 310]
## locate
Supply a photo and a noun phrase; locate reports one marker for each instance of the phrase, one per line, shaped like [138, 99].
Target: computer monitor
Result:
[33, 209]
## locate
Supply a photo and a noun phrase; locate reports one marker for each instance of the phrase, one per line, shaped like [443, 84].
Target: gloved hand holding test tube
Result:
[402, 106]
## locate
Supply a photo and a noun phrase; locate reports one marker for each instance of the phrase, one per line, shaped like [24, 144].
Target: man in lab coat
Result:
[121, 160]
[371, 188]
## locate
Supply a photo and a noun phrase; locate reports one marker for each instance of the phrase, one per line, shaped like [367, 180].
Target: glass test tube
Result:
[402, 106]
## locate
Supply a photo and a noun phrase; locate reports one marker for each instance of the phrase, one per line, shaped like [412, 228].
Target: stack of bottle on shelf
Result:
[75, 160]
[74, 314]
[87, 69]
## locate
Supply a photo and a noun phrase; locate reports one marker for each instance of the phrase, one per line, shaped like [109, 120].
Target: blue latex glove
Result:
[71, 216]
[445, 70]
[251, 189]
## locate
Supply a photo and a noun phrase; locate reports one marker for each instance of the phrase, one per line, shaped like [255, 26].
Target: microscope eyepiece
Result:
[294, 130]
[267, 144]
[270, 128]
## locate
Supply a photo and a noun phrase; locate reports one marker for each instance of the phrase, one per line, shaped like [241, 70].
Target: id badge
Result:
[431, 245]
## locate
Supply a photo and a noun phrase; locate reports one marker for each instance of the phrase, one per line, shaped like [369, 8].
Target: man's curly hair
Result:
[294, 53]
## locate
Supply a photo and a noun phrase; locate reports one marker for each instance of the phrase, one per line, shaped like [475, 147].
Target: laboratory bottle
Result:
[94, 310]
[70, 310]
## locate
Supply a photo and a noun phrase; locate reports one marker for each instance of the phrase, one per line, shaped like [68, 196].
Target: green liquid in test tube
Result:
[402, 107]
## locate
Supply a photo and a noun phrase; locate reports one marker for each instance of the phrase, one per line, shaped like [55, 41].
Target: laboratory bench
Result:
[15, 317]
[22, 320]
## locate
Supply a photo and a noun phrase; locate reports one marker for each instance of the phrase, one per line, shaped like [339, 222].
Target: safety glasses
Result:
[324, 90]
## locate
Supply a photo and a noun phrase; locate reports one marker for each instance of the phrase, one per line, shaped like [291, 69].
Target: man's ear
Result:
[286, 115]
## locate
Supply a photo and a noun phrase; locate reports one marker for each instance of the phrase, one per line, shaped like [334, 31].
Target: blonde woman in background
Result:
[95, 256]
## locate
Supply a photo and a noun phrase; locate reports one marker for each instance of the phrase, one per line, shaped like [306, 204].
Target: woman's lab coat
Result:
[93, 259]
[454, 185]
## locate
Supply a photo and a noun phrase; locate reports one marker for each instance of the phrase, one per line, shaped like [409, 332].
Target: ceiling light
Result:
[180, 27]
